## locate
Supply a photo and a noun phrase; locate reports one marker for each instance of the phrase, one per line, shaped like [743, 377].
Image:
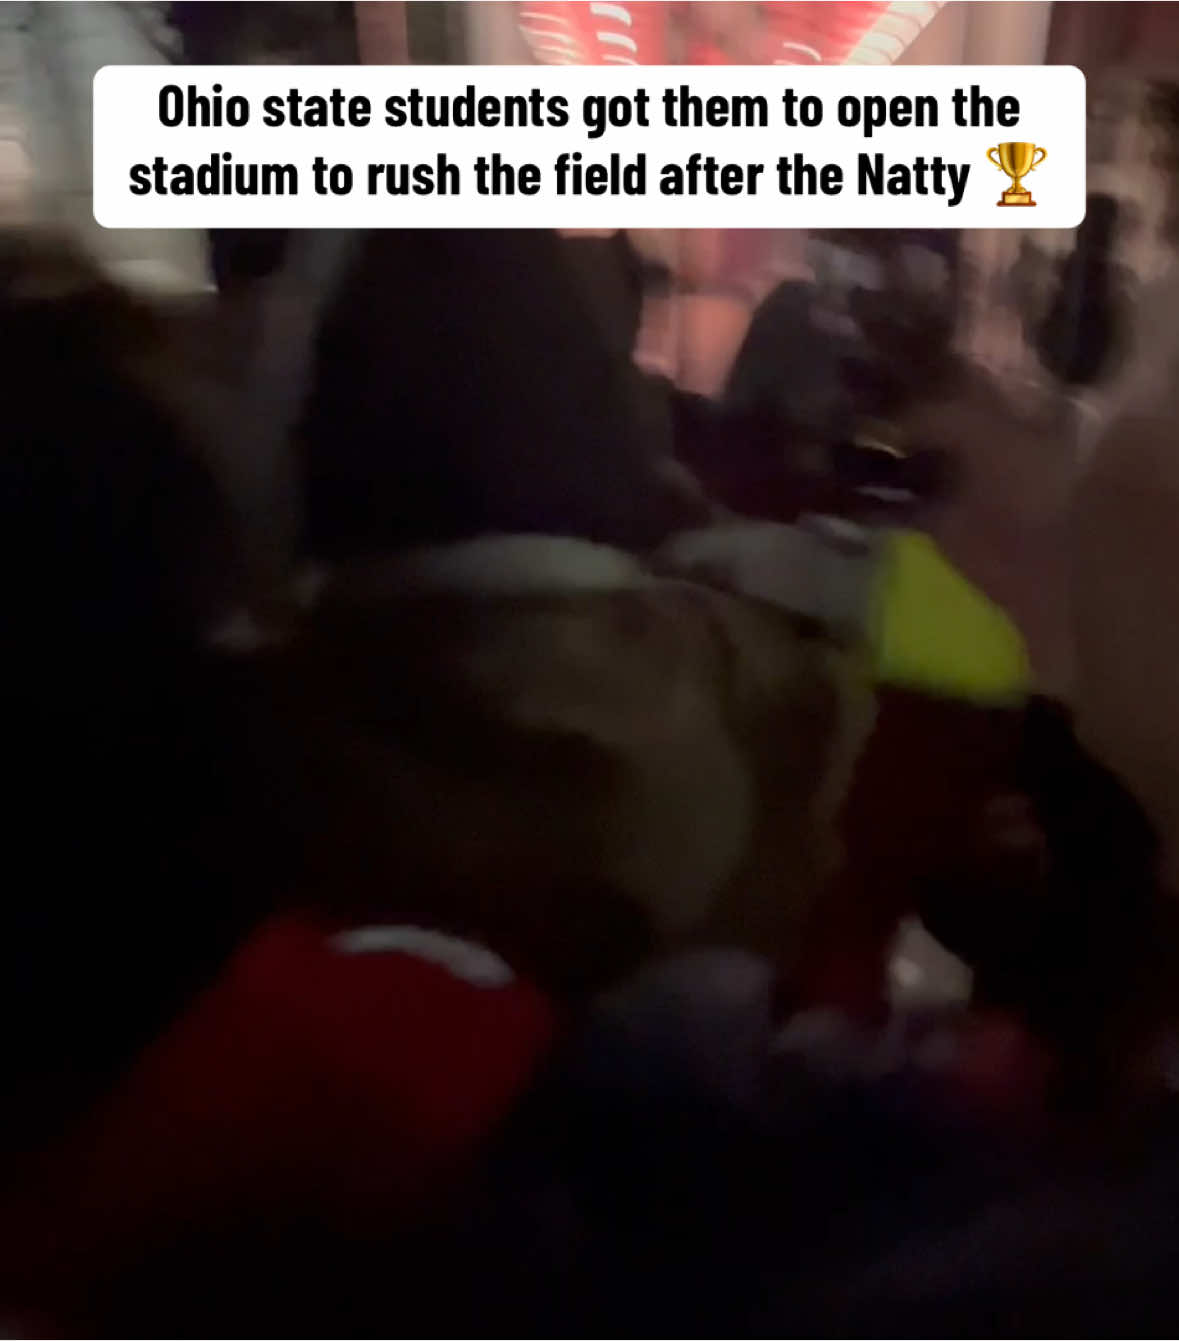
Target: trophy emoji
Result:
[1017, 158]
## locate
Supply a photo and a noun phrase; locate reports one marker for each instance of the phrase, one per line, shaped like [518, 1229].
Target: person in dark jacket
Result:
[1082, 339]
[119, 558]
[465, 385]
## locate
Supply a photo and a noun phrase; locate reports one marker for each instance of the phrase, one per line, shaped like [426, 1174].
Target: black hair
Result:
[462, 386]
[1101, 224]
[1083, 335]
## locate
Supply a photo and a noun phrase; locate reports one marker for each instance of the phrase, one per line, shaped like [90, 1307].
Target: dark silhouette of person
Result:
[117, 558]
[1082, 339]
[465, 384]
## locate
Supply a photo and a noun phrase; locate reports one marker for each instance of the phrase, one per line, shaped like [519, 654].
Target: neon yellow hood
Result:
[934, 632]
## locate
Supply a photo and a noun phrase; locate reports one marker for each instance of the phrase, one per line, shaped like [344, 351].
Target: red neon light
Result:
[810, 34]
[639, 32]
[594, 33]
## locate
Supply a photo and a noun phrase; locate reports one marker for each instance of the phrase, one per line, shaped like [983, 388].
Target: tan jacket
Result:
[547, 725]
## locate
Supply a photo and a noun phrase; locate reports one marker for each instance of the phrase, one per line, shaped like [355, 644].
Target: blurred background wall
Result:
[48, 58]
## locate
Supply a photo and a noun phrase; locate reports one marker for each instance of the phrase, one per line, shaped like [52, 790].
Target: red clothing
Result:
[349, 1079]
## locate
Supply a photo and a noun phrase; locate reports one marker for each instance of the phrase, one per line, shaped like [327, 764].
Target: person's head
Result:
[464, 384]
[532, 741]
[786, 372]
[1101, 226]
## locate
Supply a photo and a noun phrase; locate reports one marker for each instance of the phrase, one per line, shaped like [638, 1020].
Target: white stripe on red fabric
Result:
[470, 963]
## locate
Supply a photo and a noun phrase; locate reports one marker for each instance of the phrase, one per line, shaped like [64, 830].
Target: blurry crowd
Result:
[508, 837]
